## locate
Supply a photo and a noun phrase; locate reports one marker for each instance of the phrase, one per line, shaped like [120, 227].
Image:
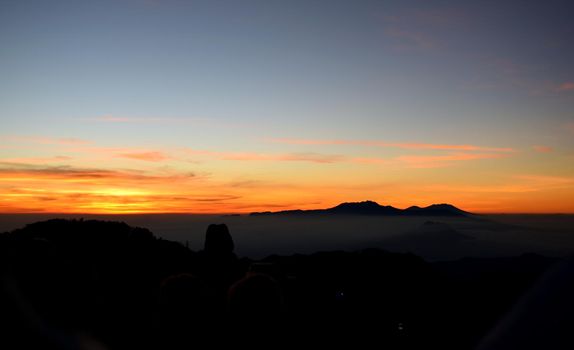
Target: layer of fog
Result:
[451, 238]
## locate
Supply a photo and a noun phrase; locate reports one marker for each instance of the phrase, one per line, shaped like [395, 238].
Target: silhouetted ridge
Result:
[364, 208]
[373, 208]
[437, 210]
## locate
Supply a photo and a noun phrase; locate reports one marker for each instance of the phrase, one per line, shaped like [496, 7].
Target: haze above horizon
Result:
[149, 106]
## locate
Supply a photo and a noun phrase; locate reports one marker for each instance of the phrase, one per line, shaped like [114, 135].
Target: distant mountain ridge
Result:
[374, 209]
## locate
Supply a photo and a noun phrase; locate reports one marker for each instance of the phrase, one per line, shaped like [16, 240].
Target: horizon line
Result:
[250, 212]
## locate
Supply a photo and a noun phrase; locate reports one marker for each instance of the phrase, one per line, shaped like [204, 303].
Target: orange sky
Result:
[67, 175]
[231, 107]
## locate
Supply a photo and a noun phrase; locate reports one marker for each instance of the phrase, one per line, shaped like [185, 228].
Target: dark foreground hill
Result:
[373, 208]
[65, 282]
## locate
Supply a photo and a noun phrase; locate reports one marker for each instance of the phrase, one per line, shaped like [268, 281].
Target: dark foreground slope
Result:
[66, 283]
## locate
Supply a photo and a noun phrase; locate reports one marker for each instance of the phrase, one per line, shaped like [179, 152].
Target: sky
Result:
[173, 106]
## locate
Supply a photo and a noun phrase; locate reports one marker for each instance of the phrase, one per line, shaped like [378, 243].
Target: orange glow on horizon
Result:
[186, 180]
[108, 192]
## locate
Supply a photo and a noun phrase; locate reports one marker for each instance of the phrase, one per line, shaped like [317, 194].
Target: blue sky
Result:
[228, 75]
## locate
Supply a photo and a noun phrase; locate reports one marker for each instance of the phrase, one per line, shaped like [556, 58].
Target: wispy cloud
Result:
[79, 189]
[411, 145]
[371, 160]
[27, 188]
[542, 149]
[133, 153]
[253, 156]
[548, 87]
[293, 157]
[445, 160]
[25, 172]
[105, 201]
[565, 86]
[516, 184]
[544, 182]
[411, 161]
[152, 156]
[515, 75]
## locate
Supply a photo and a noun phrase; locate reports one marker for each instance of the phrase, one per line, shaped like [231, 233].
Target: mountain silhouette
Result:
[436, 210]
[374, 209]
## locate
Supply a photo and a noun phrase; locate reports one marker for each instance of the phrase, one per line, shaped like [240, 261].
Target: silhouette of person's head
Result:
[218, 241]
[255, 295]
